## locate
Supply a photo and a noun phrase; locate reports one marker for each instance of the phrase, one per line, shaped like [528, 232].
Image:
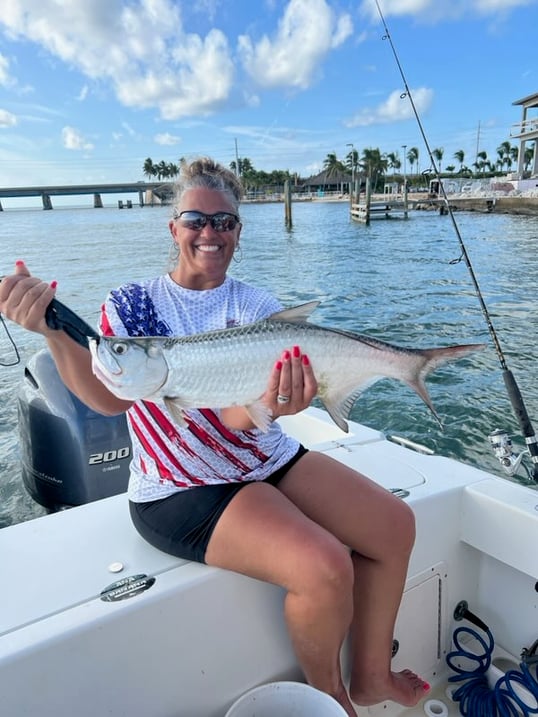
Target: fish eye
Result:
[120, 347]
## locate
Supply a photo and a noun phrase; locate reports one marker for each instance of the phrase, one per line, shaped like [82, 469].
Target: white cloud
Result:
[5, 79]
[433, 10]
[140, 49]
[308, 30]
[83, 93]
[73, 139]
[7, 119]
[166, 139]
[394, 109]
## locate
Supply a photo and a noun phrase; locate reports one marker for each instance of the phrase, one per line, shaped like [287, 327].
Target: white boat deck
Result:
[199, 637]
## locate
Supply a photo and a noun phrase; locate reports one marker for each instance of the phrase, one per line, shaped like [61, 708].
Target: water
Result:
[393, 280]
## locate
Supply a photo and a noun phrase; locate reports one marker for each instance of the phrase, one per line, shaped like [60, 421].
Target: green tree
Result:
[374, 165]
[393, 161]
[412, 157]
[459, 155]
[438, 156]
[332, 165]
[149, 168]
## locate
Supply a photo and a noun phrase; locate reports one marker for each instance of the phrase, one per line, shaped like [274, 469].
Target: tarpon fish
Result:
[231, 367]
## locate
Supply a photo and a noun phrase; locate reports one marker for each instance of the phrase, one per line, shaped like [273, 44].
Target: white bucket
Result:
[285, 699]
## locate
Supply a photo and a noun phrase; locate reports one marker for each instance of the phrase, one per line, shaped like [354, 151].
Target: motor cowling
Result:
[70, 454]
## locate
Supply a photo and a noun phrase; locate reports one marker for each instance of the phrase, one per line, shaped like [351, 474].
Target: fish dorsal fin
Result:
[296, 314]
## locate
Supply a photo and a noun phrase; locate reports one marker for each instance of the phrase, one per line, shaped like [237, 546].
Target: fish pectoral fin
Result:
[175, 408]
[260, 415]
[296, 314]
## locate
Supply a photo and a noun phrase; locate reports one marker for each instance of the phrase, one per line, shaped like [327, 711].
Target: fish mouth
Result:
[105, 377]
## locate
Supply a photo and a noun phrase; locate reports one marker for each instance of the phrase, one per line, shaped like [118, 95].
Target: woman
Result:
[222, 492]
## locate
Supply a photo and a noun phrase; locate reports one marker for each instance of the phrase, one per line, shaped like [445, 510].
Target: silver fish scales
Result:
[231, 367]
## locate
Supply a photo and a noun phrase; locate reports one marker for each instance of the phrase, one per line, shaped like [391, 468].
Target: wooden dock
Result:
[384, 209]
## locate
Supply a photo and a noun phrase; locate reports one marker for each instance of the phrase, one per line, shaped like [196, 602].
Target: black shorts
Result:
[182, 524]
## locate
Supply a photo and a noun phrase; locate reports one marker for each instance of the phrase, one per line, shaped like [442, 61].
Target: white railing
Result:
[526, 127]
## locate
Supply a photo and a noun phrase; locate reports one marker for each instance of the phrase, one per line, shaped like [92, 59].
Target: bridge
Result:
[163, 192]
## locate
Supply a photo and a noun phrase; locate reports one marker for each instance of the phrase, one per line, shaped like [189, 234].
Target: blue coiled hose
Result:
[475, 697]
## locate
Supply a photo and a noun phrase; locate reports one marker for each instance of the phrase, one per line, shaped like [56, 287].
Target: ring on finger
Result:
[282, 399]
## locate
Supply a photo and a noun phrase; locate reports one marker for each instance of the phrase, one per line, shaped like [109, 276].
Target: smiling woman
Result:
[210, 486]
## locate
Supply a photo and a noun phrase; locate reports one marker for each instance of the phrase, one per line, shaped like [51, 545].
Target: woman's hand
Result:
[24, 299]
[291, 387]
[292, 384]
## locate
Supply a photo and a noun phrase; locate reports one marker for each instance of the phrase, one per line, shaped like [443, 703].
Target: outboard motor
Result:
[70, 454]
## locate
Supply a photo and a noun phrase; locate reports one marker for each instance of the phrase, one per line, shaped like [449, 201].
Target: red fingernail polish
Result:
[53, 284]
[19, 262]
[286, 355]
[306, 360]
[296, 351]
[278, 365]
[426, 686]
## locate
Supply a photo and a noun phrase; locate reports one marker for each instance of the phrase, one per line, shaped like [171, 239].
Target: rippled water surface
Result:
[393, 280]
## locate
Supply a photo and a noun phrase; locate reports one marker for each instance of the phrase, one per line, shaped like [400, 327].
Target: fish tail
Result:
[433, 358]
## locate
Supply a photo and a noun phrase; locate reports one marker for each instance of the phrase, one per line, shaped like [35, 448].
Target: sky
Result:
[89, 90]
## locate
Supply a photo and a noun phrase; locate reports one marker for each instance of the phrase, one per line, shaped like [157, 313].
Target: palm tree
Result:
[481, 162]
[438, 156]
[374, 164]
[514, 155]
[332, 165]
[149, 168]
[503, 152]
[460, 156]
[393, 162]
[412, 157]
[352, 161]
[528, 157]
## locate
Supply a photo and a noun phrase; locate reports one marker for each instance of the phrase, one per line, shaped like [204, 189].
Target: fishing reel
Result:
[503, 451]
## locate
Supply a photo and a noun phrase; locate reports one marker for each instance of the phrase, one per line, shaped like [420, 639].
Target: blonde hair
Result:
[205, 173]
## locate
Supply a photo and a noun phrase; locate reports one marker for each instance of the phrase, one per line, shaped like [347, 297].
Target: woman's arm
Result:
[24, 300]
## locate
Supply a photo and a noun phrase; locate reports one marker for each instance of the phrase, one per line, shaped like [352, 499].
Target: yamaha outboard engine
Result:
[70, 454]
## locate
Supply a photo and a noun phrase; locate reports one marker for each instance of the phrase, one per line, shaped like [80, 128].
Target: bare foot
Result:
[405, 687]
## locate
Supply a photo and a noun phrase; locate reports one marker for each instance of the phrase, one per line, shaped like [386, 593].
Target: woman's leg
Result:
[263, 535]
[380, 530]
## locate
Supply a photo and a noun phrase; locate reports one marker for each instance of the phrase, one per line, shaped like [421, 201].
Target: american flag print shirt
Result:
[167, 457]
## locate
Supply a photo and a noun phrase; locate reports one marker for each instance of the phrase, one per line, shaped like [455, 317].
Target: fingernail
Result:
[53, 284]
[278, 365]
[286, 355]
[426, 686]
[306, 360]
[296, 351]
[19, 262]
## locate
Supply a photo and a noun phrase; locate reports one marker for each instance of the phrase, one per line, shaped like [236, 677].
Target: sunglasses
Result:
[196, 221]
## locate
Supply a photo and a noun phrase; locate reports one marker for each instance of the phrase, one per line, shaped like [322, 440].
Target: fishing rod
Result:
[500, 441]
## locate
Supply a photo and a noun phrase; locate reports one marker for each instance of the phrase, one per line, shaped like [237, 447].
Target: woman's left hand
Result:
[292, 384]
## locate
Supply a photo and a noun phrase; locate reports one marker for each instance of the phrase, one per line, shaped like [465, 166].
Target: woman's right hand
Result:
[24, 299]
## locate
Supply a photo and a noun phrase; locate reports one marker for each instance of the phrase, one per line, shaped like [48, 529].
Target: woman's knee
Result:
[327, 570]
[403, 526]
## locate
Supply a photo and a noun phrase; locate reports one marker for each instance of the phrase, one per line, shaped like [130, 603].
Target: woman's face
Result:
[204, 253]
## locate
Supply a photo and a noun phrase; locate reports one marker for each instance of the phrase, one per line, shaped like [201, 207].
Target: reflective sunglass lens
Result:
[196, 221]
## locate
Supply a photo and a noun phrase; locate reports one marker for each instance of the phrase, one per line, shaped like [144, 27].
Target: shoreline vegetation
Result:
[525, 204]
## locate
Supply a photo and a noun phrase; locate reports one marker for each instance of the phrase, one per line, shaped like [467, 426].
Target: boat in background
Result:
[95, 621]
